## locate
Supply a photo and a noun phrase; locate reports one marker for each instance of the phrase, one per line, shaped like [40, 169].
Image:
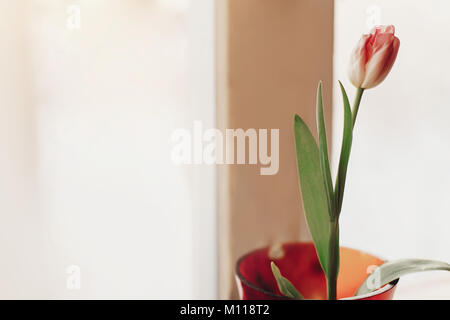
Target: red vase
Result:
[298, 262]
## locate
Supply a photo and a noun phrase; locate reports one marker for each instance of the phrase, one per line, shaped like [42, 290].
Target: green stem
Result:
[359, 93]
[333, 261]
[334, 232]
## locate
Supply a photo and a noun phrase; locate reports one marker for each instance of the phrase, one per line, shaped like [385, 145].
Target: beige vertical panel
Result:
[22, 243]
[270, 56]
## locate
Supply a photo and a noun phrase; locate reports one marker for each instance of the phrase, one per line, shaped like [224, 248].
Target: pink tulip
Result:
[373, 57]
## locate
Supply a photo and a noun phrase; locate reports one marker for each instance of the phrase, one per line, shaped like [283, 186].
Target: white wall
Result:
[396, 201]
[102, 102]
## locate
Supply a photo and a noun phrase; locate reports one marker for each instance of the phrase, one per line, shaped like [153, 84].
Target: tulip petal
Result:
[383, 29]
[356, 71]
[380, 64]
[382, 40]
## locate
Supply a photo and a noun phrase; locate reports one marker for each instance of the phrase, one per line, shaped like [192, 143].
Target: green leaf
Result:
[285, 286]
[314, 194]
[323, 151]
[395, 269]
[347, 138]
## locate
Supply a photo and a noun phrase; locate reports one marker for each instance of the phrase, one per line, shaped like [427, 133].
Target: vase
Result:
[298, 262]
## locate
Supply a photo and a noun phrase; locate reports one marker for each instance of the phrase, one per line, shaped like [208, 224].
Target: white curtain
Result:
[91, 204]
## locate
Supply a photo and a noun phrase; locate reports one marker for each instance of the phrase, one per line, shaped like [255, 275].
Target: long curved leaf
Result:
[285, 286]
[347, 138]
[395, 269]
[314, 194]
[323, 152]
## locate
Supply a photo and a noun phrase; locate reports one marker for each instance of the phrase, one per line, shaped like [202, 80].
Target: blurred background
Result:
[91, 203]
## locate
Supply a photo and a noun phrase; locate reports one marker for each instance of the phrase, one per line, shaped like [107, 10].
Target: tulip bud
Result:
[373, 57]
